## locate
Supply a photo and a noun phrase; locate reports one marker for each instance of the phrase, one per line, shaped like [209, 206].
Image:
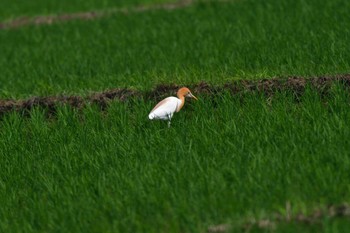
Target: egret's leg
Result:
[169, 119]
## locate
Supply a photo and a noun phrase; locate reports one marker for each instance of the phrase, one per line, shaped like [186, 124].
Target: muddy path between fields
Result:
[267, 87]
[316, 217]
[91, 15]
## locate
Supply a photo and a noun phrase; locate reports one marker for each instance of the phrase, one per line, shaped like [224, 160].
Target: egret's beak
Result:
[192, 96]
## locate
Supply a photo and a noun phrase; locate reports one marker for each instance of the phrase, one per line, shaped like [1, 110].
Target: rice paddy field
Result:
[252, 160]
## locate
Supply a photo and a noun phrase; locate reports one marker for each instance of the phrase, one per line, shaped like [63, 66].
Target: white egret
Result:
[166, 108]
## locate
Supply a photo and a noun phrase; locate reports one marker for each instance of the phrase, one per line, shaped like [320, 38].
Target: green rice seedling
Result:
[214, 42]
[226, 159]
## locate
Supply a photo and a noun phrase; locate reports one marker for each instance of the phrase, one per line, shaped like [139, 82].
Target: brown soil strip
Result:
[50, 19]
[269, 87]
[315, 217]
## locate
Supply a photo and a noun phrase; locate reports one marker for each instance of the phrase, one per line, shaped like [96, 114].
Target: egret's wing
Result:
[163, 102]
[165, 108]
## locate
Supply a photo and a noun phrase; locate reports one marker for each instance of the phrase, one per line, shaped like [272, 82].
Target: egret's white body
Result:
[166, 108]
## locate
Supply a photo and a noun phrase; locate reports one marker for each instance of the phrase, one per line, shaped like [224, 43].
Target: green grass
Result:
[214, 42]
[225, 158]
[20, 8]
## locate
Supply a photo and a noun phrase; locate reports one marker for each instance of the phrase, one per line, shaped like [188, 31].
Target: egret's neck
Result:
[182, 99]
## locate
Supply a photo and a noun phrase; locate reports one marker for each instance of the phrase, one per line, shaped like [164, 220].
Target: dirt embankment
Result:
[268, 87]
[90, 15]
[268, 224]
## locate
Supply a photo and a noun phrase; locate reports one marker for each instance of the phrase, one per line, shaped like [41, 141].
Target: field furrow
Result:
[268, 87]
[90, 15]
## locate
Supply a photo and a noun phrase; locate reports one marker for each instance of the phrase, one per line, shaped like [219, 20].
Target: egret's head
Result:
[184, 91]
